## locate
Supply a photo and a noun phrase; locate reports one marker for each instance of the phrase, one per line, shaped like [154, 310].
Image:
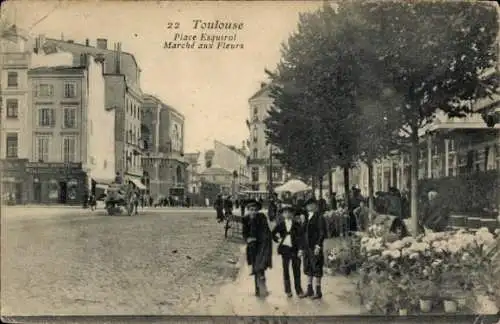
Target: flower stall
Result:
[432, 272]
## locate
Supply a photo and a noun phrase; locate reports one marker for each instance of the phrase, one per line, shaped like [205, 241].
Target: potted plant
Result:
[427, 295]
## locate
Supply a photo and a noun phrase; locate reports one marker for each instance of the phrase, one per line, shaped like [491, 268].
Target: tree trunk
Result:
[313, 185]
[414, 180]
[370, 189]
[320, 187]
[330, 187]
[346, 187]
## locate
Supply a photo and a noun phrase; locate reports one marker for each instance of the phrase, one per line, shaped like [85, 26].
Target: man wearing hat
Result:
[258, 236]
[289, 244]
[314, 233]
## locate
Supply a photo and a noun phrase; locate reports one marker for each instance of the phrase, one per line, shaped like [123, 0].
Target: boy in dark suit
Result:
[314, 233]
[289, 244]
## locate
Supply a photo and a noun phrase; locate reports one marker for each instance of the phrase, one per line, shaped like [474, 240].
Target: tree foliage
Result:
[353, 79]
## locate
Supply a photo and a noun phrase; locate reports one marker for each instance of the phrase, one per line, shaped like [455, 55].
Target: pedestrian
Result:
[219, 208]
[436, 214]
[289, 244]
[259, 248]
[314, 233]
[228, 206]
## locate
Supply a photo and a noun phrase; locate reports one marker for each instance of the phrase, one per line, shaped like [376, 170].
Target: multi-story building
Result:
[71, 129]
[123, 94]
[234, 160]
[164, 163]
[193, 172]
[262, 165]
[223, 178]
[15, 58]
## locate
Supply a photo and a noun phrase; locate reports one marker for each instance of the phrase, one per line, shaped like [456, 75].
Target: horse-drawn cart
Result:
[116, 200]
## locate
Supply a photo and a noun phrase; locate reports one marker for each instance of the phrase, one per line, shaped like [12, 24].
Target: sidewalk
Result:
[237, 298]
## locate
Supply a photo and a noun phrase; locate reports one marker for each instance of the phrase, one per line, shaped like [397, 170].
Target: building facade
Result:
[15, 56]
[261, 165]
[193, 172]
[165, 167]
[123, 94]
[71, 129]
[234, 160]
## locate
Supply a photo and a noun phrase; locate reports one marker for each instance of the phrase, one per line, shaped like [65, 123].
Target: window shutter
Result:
[53, 117]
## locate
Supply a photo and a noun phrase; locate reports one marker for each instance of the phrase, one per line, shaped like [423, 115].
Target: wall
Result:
[115, 98]
[176, 125]
[15, 57]
[133, 103]
[57, 101]
[101, 125]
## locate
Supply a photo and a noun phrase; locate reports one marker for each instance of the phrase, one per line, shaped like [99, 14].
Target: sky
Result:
[210, 87]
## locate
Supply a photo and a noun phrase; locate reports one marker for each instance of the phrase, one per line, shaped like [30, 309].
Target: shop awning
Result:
[138, 183]
[103, 181]
[102, 186]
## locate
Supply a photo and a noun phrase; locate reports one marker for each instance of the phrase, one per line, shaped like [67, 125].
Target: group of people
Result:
[299, 235]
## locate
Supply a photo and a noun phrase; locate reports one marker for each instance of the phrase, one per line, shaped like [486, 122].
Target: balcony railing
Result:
[14, 58]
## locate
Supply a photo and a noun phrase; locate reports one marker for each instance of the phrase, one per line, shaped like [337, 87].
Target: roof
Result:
[63, 69]
[192, 158]
[261, 91]
[129, 66]
[216, 171]
[158, 100]
[232, 148]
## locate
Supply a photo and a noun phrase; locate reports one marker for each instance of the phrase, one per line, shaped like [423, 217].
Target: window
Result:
[277, 174]
[70, 118]
[44, 90]
[46, 117]
[255, 153]
[255, 112]
[12, 108]
[42, 148]
[255, 174]
[12, 145]
[254, 133]
[12, 80]
[69, 90]
[69, 149]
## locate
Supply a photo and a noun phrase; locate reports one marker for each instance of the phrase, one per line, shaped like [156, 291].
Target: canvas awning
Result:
[138, 183]
[293, 186]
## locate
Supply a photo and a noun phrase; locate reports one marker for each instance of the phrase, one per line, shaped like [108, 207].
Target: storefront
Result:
[13, 181]
[56, 183]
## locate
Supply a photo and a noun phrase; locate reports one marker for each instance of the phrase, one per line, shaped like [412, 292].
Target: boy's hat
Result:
[253, 203]
[310, 201]
[287, 208]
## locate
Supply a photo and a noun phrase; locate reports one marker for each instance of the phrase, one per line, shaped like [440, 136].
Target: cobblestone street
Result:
[74, 261]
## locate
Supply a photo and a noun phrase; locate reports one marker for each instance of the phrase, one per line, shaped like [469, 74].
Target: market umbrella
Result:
[293, 186]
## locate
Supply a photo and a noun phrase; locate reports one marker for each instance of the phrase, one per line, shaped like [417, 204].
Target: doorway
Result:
[63, 190]
[37, 192]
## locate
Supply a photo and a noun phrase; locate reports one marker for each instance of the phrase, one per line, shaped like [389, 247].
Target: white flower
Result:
[414, 255]
[437, 262]
[397, 245]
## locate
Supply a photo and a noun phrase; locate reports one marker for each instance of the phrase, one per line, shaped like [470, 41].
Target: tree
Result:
[432, 54]
[311, 119]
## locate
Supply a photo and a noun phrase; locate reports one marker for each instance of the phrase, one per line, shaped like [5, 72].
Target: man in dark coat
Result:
[289, 242]
[259, 240]
[219, 208]
[314, 233]
[228, 206]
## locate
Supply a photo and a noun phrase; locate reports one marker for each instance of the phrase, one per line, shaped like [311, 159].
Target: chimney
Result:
[70, 41]
[262, 85]
[102, 43]
[84, 60]
[99, 58]
[87, 42]
[118, 58]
